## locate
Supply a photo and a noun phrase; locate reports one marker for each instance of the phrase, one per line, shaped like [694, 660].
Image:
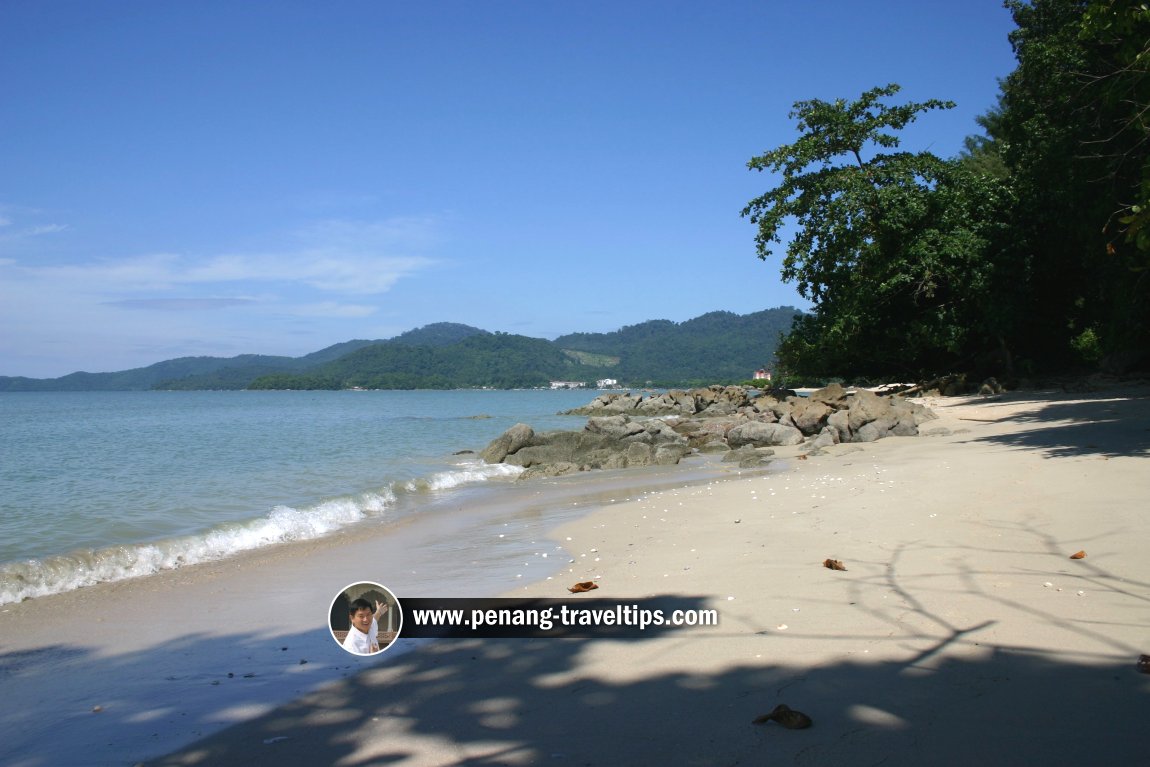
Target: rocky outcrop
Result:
[608, 442]
[627, 429]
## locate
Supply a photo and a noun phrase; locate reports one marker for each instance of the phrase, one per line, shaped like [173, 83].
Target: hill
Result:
[714, 348]
[493, 360]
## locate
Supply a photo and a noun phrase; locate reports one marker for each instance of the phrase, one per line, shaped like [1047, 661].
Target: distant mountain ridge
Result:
[716, 347]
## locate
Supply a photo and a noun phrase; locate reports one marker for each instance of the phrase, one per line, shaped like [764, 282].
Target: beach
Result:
[961, 630]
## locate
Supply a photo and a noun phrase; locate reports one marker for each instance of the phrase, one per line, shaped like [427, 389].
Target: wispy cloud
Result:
[320, 280]
[333, 309]
[335, 257]
[180, 304]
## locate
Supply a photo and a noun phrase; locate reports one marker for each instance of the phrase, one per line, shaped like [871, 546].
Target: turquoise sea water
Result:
[98, 486]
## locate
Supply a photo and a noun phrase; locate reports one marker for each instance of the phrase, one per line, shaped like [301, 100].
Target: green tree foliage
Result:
[1072, 132]
[716, 347]
[1029, 252]
[890, 246]
[495, 360]
[1121, 88]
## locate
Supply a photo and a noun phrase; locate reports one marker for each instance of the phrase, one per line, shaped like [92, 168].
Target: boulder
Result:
[990, 386]
[578, 447]
[809, 416]
[840, 422]
[685, 400]
[508, 442]
[663, 432]
[759, 434]
[639, 454]
[615, 426]
[874, 430]
[669, 455]
[659, 404]
[827, 437]
[609, 403]
[549, 470]
[718, 408]
[833, 395]
[749, 457]
[866, 406]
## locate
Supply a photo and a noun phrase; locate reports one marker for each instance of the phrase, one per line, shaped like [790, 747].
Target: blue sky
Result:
[218, 178]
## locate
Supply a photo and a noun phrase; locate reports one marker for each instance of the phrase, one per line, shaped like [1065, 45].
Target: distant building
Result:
[606, 383]
[762, 374]
[567, 384]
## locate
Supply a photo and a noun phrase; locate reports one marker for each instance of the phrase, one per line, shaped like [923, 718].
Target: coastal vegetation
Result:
[1027, 253]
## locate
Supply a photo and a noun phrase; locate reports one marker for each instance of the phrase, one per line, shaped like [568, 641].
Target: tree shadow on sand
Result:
[1106, 425]
[66, 704]
[951, 701]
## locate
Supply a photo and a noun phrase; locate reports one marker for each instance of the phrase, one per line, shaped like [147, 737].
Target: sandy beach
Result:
[961, 631]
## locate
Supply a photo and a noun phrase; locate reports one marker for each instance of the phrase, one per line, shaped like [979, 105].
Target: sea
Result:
[106, 486]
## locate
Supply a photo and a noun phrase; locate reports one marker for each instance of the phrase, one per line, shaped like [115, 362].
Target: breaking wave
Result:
[53, 575]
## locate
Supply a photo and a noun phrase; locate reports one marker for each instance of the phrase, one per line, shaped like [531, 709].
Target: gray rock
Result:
[579, 447]
[809, 416]
[685, 401]
[662, 432]
[508, 442]
[549, 470]
[716, 409]
[761, 434]
[749, 457]
[840, 422]
[866, 406]
[990, 386]
[874, 430]
[639, 454]
[615, 426]
[669, 455]
[833, 395]
[827, 437]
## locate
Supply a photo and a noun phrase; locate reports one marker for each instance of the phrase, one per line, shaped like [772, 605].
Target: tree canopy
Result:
[888, 245]
[1027, 252]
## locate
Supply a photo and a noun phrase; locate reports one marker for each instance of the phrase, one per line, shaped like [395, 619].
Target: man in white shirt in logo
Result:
[363, 636]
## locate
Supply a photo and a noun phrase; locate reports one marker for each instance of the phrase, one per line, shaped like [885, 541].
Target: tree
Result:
[891, 247]
[1121, 30]
[1072, 133]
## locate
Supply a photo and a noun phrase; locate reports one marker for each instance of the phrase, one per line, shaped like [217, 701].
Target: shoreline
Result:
[941, 643]
[158, 661]
[941, 623]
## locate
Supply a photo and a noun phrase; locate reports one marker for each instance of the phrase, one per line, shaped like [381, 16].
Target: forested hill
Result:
[717, 347]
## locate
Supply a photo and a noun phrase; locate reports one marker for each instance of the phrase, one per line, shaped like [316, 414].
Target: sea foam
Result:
[53, 575]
